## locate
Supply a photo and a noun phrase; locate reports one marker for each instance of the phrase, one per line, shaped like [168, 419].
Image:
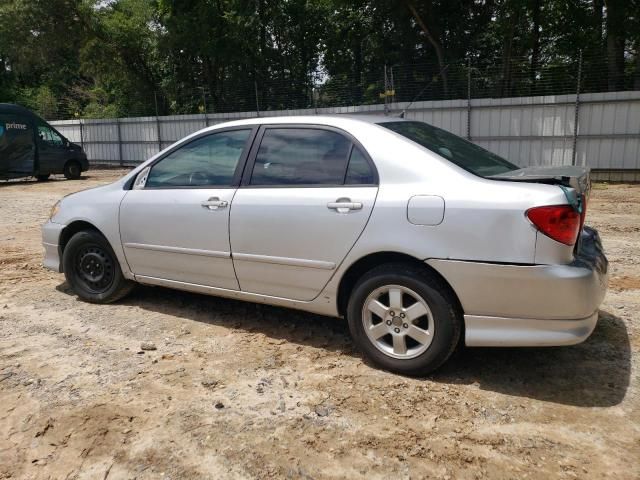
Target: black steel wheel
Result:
[72, 170]
[92, 270]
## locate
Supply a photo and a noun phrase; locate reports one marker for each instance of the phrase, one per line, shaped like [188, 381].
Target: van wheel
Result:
[404, 319]
[92, 270]
[42, 178]
[72, 170]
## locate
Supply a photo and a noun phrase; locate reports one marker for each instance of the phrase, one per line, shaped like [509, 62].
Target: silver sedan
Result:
[420, 239]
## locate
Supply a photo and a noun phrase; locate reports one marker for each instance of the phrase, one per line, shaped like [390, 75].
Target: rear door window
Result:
[301, 156]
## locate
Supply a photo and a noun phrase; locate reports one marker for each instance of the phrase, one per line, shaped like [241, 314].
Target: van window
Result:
[49, 135]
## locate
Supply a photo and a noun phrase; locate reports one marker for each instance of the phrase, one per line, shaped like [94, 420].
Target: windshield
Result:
[465, 154]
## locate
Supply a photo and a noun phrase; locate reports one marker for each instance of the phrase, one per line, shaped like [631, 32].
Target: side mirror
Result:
[141, 179]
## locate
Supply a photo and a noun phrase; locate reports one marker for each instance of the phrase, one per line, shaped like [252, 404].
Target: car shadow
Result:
[595, 373]
[34, 181]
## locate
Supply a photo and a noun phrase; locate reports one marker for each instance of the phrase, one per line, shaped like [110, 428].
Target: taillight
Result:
[560, 222]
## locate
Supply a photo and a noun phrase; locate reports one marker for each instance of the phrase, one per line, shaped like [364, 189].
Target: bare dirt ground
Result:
[237, 390]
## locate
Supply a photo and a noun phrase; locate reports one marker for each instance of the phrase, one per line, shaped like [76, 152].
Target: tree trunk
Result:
[616, 12]
[505, 87]
[535, 49]
[597, 57]
[636, 81]
[435, 43]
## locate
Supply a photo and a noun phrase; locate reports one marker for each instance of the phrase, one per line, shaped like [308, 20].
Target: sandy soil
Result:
[237, 390]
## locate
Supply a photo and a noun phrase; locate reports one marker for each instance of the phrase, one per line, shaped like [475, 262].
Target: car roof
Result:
[330, 120]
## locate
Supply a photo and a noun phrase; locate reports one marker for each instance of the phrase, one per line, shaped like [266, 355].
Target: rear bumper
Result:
[51, 243]
[530, 305]
[481, 331]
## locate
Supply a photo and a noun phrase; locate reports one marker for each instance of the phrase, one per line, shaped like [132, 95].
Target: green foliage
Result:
[107, 58]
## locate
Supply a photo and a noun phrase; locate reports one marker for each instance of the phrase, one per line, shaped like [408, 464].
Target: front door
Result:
[52, 149]
[175, 226]
[303, 203]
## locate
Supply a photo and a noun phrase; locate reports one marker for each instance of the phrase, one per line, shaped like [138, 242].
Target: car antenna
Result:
[444, 69]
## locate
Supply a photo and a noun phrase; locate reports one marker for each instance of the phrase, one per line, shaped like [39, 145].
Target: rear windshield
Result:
[465, 154]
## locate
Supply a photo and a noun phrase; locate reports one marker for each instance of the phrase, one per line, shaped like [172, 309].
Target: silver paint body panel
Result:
[287, 242]
[169, 234]
[289, 249]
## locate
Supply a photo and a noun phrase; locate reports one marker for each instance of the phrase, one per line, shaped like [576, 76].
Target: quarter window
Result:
[359, 171]
[301, 156]
[207, 161]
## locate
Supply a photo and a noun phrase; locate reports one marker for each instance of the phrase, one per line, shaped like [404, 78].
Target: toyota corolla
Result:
[423, 241]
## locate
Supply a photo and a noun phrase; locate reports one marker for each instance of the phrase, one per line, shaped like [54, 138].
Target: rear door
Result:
[17, 148]
[306, 196]
[175, 226]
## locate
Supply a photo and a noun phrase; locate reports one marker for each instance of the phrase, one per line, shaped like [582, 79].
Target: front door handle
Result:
[214, 203]
[344, 205]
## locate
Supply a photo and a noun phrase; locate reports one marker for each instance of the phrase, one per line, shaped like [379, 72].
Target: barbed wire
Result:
[472, 79]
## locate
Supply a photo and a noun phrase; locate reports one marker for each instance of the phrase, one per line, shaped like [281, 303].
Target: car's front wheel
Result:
[92, 269]
[404, 319]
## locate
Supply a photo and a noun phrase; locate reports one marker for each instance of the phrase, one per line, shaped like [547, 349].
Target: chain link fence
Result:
[559, 113]
[464, 79]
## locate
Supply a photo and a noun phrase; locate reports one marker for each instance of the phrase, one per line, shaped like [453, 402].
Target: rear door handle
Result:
[215, 203]
[344, 205]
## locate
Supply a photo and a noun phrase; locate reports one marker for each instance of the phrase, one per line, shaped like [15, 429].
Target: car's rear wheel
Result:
[92, 270]
[72, 170]
[404, 319]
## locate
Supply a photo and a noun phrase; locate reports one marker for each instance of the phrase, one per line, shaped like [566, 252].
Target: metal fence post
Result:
[386, 87]
[120, 159]
[81, 134]
[155, 98]
[576, 111]
[204, 103]
[315, 100]
[255, 86]
[468, 98]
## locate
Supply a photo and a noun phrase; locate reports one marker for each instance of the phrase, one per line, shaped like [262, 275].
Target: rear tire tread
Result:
[453, 316]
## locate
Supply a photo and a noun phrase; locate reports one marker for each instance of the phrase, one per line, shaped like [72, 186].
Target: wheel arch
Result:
[361, 266]
[73, 228]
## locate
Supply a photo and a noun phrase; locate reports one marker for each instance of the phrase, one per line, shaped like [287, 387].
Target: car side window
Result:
[359, 171]
[49, 135]
[206, 161]
[301, 156]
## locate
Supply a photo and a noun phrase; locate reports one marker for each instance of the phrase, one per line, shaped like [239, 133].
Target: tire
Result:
[92, 270]
[436, 328]
[43, 178]
[72, 170]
